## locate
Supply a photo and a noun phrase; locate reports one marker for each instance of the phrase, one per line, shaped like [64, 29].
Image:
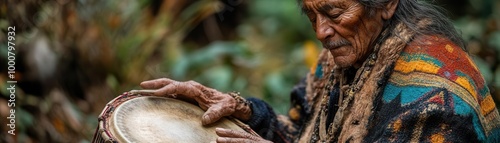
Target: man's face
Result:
[345, 28]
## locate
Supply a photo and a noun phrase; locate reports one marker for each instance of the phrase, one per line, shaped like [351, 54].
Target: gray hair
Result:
[410, 12]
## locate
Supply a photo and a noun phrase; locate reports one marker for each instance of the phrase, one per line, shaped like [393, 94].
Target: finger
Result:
[195, 84]
[156, 83]
[215, 112]
[144, 92]
[166, 90]
[221, 132]
[233, 140]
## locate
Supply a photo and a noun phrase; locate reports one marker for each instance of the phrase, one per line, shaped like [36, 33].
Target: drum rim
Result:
[105, 132]
[103, 129]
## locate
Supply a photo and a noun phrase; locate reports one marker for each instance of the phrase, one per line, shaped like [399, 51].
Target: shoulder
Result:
[438, 56]
[432, 63]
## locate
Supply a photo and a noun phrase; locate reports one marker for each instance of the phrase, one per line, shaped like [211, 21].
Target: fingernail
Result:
[145, 84]
[204, 119]
[219, 129]
[221, 139]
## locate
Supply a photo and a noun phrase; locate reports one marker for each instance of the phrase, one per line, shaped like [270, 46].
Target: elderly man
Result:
[390, 71]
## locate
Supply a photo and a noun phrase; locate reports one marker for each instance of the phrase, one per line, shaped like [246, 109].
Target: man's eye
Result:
[334, 15]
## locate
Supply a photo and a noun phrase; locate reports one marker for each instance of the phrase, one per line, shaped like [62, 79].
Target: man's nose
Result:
[324, 29]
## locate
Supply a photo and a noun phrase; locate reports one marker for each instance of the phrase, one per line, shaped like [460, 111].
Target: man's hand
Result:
[232, 136]
[215, 103]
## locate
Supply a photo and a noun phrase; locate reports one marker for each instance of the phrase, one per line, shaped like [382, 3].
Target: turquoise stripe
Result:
[494, 136]
[408, 93]
[462, 108]
[412, 93]
[421, 57]
[484, 91]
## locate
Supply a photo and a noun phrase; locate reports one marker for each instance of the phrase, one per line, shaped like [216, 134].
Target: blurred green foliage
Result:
[260, 48]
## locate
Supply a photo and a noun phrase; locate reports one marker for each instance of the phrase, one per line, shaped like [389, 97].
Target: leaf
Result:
[494, 41]
[470, 28]
[218, 77]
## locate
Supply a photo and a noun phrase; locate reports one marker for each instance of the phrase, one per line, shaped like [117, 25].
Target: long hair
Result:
[410, 12]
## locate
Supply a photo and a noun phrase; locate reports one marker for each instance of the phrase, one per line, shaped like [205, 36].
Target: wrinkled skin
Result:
[215, 103]
[345, 28]
[232, 136]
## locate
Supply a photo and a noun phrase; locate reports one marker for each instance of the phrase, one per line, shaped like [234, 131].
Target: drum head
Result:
[160, 119]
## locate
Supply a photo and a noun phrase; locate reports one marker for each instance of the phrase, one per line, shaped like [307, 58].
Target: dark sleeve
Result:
[263, 120]
[279, 128]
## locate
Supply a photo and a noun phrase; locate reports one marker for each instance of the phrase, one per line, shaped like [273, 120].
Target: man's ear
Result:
[389, 10]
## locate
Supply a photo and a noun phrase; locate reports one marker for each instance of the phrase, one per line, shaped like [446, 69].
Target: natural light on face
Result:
[344, 28]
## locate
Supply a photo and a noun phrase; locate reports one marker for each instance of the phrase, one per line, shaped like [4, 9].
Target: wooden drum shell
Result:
[145, 118]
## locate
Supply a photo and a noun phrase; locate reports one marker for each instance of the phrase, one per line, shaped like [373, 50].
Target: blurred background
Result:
[75, 56]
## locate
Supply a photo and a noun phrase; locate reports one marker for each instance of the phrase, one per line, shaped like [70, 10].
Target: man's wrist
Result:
[243, 108]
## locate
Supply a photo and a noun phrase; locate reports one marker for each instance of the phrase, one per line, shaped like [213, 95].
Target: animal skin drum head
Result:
[159, 119]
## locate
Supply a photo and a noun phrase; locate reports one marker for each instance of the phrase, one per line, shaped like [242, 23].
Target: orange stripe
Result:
[487, 105]
[462, 81]
[422, 66]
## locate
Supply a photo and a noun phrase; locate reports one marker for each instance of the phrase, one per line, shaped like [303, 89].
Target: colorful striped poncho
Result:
[434, 93]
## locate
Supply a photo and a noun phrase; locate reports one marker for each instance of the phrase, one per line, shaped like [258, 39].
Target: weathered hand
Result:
[232, 136]
[215, 103]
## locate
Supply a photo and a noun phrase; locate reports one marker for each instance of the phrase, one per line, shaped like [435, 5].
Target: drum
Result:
[133, 117]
